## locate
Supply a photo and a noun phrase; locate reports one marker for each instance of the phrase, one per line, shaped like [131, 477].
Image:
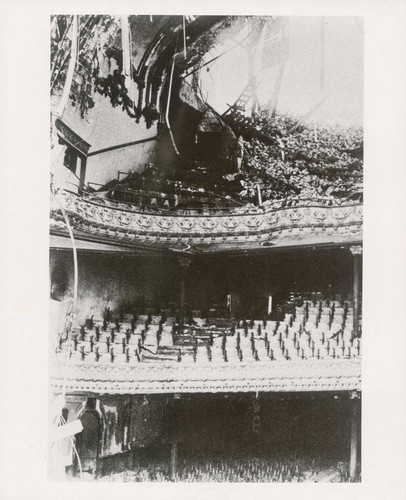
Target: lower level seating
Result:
[309, 332]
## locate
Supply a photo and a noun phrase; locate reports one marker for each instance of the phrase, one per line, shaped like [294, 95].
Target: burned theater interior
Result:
[206, 205]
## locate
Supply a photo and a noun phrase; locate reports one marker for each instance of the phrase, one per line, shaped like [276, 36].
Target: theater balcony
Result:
[281, 224]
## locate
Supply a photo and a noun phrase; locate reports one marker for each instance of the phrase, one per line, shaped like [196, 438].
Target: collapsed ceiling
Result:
[158, 81]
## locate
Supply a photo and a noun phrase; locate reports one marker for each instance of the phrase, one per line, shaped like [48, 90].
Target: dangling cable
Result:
[168, 106]
[216, 57]
[72, 439]
[56, 148]
[322, 72]
[71, 68]
[184, 36]
[75, 294]
[126, 48]
[69, 322]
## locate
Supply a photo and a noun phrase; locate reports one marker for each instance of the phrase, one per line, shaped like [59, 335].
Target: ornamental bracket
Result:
[355, 395]
[356, 249]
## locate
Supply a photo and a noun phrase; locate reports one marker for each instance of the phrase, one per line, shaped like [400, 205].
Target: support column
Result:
[355, 426]
[230, 306]
[174, 427]
[184, 263]
[356, 251]
[174, 461]
[82, 174]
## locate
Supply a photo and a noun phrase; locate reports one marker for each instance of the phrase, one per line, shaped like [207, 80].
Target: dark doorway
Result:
[87, 442]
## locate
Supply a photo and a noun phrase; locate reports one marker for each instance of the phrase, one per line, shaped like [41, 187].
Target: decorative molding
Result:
[355, 394]
[299, 224]
[356, 249]
[149, 378]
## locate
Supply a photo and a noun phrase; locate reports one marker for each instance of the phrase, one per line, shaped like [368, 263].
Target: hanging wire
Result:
[73, 441]
[71, 314]
[77, 457]
[322, 55]
[322, 72]
[217, 57]
[184, 36]
[169, 103]
[71, 68]
[69, 321]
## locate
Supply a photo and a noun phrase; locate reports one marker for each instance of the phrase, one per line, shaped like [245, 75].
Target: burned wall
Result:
[150, 284]
[115, 281]
[114, 425]
[251, 279]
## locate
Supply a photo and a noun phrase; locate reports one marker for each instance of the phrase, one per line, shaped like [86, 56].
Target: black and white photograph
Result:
[203, 250]
[206, 248]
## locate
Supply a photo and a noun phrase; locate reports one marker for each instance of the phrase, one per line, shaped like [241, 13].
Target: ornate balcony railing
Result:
[305, 223]
[278, 376]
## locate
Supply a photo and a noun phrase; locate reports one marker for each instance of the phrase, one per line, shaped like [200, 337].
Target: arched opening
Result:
[88, 441]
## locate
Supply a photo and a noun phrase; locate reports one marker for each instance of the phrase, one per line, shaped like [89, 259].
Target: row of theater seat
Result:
[329, 317]
[307, 333]
[247, 469]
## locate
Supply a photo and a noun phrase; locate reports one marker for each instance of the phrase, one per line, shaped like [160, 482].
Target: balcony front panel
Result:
[287, 226]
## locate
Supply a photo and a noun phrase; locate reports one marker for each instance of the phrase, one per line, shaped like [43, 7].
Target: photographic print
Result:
[205, 268]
